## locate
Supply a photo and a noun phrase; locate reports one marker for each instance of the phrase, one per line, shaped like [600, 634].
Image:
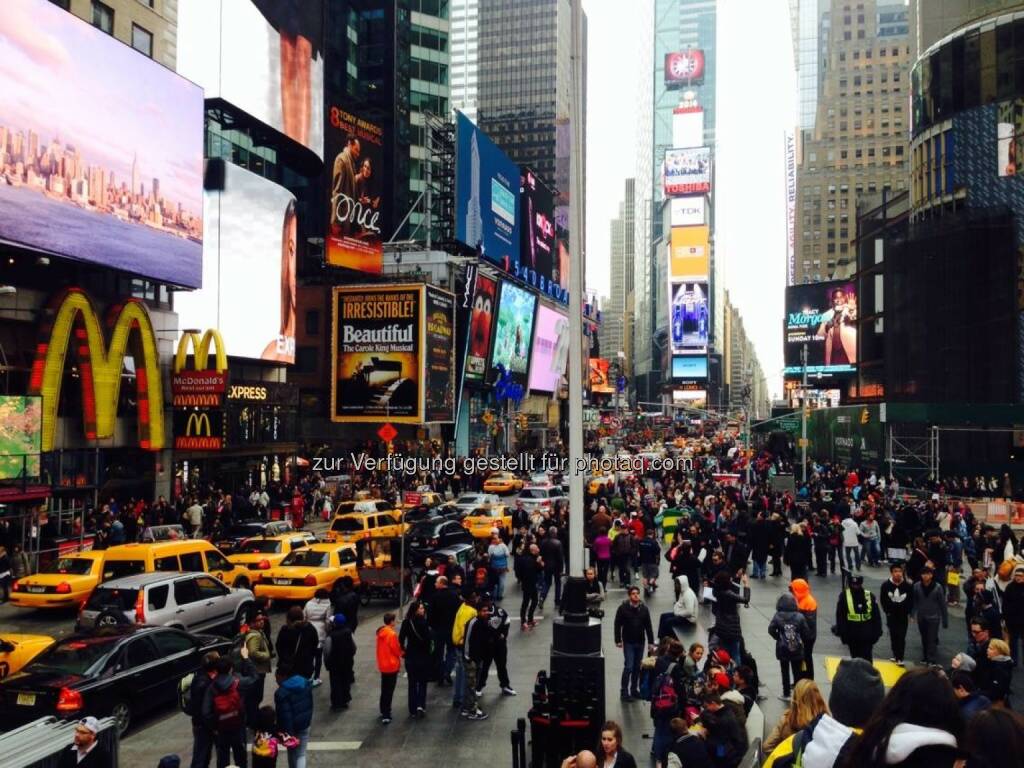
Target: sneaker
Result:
[478, 715]
[508, 690]
[317, 682]
[892, 659]
[900, 663]
[464, 713]
[524, 627]
[421, 712]
[385, 720]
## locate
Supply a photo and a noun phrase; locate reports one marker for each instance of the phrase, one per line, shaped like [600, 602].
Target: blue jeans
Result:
[499, 584]
[760, 569]
[633, 654]
[447, 658]
[872, 552]
[545, 586]
[297, 756]
[850, 552]
[669, 622]
[662, 739]
[459, 688]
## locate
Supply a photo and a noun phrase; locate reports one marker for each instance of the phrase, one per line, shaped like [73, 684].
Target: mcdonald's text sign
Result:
[201, 387]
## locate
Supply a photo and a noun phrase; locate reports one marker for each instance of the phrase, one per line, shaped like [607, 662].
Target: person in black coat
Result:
[726, 609]
[86, 752]
[344, 600]
[441, 610]
[340, 658]
[760, 544]
[610, 751]
[297, 642]
[858, 619]
[726, 736]
[685, 563]
[417, 642]
[797, 553]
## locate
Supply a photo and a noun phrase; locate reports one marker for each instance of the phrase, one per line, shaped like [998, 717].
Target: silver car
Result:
[467, 502]
[196, 602]
[536, 497]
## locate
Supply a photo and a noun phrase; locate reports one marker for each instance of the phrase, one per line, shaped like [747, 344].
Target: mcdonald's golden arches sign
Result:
[199, 387]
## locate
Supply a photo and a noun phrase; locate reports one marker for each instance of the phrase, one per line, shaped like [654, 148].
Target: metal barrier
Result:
[753, 757]
[41, 743]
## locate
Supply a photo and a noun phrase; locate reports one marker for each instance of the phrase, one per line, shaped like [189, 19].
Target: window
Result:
[170, 643]
[210, 588]
[215, 561]
[312, 322]
[192, 561]
[103, 17]
[142, 40]
[139, 651]
[167, 564]
[185, 592]
[157, 597]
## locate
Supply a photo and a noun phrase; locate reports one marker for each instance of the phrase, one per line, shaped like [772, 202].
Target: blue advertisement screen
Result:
[513, 331]
[486, 197]
[690, 367]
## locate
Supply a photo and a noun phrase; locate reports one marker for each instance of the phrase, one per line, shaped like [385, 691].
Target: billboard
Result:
[600, 381]
[550, 350]
[684, 68]
[263, 56]
[248, 291]
[687, 127]
[21, 429]
[690, 367]
[439, 353]
[1009, 136]
[486, 197]
[824, 317]
[356, 223]
[378, 353]
[513, 331]
[481, 322]
[198, 429]
[689, 211]
[538, 258]
[101, 148]
[790, 140]
[690, 319]
[563, 268]
[687, 171]
[689, 253]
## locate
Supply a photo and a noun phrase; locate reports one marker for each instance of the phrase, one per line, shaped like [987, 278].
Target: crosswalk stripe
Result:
[333, 746]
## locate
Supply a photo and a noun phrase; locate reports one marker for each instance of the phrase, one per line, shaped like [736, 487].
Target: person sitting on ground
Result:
[999, 672]
[807, 705]
[683, 614]
[966, 691]
[857, 690]
[726, 736]
[687, 749]
[918, 725]
[692, 661]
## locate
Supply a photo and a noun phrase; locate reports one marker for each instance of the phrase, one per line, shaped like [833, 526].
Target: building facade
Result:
[614, 326]
[149, 27]
[464, 25]
[857, 145]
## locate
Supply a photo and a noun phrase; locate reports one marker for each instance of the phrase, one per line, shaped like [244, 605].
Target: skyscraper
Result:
[857, 145]
[615, 330]
[463, 46]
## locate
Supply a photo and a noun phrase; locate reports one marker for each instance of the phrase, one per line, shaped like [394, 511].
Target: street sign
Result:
[802, 442]
[387, 433]
[790, 424]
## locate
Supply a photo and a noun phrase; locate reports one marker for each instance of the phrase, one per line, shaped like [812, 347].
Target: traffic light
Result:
[865, 416]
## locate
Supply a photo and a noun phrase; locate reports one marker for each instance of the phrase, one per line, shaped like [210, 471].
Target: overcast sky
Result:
[756, 96]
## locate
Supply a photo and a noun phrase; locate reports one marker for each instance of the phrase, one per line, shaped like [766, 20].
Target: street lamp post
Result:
[803, 417]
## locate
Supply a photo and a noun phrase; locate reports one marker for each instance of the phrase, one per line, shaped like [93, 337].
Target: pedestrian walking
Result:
[417, 642]
[389, 662]
[851, 543]
[632, 628]
[501, 623]
[728, 597]
[553, 554]
[529, 567]
[297, 643]
[929, 606]
[224, 712]
[858, 622]
[192, 698]
[258, 653]
[791, 633]
[478, 650]
[602, 549]
[467, 611]
[294, 703]
[1013, 614]
[897, 601]
[318, 612]
[808, 608]
[498, 555]
[441, 609]
[339, 658]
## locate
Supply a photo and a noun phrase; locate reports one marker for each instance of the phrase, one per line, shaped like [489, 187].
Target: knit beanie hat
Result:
[967, 663]
[857, 691]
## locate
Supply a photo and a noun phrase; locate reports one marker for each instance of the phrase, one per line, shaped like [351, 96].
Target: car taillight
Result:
[546, 503]
[69, 701]
[17, 586]
[264, 565]
[63, 588]
[310, 581]
[140, 608]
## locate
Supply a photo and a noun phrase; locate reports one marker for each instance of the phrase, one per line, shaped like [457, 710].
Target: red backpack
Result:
[664, 696]
[227, 708]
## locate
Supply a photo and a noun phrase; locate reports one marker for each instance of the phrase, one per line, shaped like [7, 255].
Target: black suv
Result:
[426, 537]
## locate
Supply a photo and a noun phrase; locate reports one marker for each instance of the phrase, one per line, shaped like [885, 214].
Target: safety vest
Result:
[851, 613]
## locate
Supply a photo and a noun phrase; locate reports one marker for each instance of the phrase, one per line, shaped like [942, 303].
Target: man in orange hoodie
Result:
[389, 662]
[808, 606]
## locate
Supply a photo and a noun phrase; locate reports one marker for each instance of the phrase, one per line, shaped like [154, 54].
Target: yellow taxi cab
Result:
[350, 527]
[503, 482]
[597, 484]
[261, 553]
[414, 499]
[18, 650]
[302, 572]
[187, 555]
[65, 582]
[483, 519]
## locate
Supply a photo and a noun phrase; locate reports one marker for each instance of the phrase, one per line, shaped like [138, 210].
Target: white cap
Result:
[90, 723]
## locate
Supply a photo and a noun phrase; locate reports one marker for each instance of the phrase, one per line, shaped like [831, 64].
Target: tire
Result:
[364, 597]
[122, 714]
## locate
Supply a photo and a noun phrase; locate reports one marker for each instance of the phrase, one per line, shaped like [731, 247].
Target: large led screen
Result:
[486, 197]
[439, 354]
[101, 148]
[690, 367]
[481, 321]
[513, 331]
[264, 57]
[355, 152]
[690, 253]
[690, 319]
[21, 423]
[600, 378]
[248, 289]
[684, 68]
[538, 259]
[550, 350]
[822, 316]
[377, 360]
[687, 171]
